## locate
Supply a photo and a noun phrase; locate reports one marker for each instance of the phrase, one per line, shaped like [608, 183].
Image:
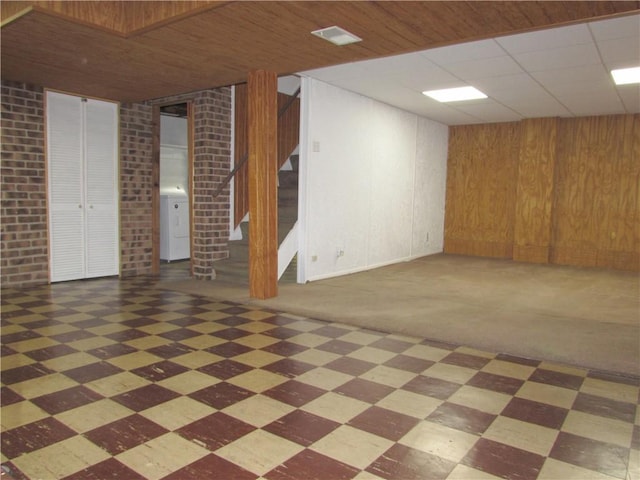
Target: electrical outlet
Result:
[314, 258]
[316, 146]
[339, 252]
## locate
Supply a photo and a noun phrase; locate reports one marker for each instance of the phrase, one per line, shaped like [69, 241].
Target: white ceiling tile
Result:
[616, 28]
[630, 95]
[545, 108]
[347, 70]
[463, 52]
[403, 63]
[562, 76]
[600, 105]
[487, 67]
[545, 39]
[573, 56]
[490, 111]
[620, 52]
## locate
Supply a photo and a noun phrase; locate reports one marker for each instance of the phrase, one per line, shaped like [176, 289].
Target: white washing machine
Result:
[174, 227]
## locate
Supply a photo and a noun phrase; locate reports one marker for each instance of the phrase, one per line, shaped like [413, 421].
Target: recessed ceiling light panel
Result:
[336, 35]
[455, 94]
[625, 76]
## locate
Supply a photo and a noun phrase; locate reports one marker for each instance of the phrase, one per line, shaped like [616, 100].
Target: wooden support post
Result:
[263, 197]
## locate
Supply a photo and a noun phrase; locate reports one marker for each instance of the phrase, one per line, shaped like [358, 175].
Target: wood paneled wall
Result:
[547, 190]
[288, 139]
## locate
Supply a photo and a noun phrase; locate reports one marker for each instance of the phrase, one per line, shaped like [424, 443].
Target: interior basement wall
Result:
[373, 183]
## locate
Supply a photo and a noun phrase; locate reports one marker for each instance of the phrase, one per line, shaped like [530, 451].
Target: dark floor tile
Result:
[188, 318]
[465, 360]
[6, 350]
[48, 322]
[282, 332]
[615, 377]
[47, 353]
[228, 349]
[604, 407]
[148, 312]
[221, 395]
[338, 346]
[230, 333]
[235, 310]
[126, 335]
[384, 423]
[88, 323]
[503, 460]
[211, 467]
[408, 363]
[280, 321]
[635, 437]
[27, 372]
[91, 372]
[535, 412]
[365, 390]
[111, 351]
[311, 465]
[159, 371]
[13, 472]
[294, 393]
[591, 454]
[462, 418]
[285, 349]
[496, 383]
[225, 369]
[33, 436]
[519, 360]
[432, 387]
[110, 469]
[350, 366]
[402, 462]
[302, 427]
[140, 322]
[63, 400]
[8, 396]
[74, 336]
[331, 331]
[557, 379]
[215, 431]
[288, 367]
[124, 434]
[170, 350]
[145, 397]
[179, 334]
[437, 344]
[233, 321]
[391, 345]
[19, 336]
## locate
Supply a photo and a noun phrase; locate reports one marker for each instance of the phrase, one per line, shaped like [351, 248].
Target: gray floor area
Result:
[577, 316]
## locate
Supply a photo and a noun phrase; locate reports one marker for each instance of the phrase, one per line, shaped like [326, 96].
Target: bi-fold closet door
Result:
[82, 172]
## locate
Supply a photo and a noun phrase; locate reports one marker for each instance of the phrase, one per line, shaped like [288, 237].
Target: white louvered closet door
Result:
[82, 175]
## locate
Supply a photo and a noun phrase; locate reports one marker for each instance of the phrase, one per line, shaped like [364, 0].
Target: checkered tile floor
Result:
[117, 379]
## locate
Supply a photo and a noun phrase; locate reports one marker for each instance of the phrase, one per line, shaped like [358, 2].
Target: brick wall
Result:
[136, 185]
[23, 212]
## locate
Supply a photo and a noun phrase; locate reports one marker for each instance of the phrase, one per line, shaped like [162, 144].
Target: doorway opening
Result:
[174, 189]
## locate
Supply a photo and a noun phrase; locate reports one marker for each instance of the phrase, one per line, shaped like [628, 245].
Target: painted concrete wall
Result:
[372, 183]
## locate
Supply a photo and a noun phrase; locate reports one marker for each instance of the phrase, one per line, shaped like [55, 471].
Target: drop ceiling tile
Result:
[545, 39]
[490, 111]
[630, 95]
[600, 105]
[464, 52]
[562, 76]
[482, 68]
[402, 63]
[616, 28]
[346, 70]
[620, 52]
[586, 89]
[572, 56]
[547, 108]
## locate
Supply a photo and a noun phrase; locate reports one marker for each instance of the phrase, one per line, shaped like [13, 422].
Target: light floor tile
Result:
[404, 338]
[614, 391]
[145, 343]
[42, 385]
[93, 415]
[351, 446]
[160, 327]
[258, 410]
[159, 457]
[633, 472]
[256, 327]
[134, 360]
[315, 357]
[116, 384]
[256, 315]
[210, 317]
[598, 428]
[20, 413]
[67, 362]
[60, 459]
[91, 343]
[188, 382]
[167, 317]
[120, 317]
[15, 361]
[33, 344]
[426, 352]
[523, 435]
[480, 399]
[450, 373]
[336, 407]
[202, 341]
[51, 330]
[259, 451]
[371, 354]
[324, 378]
[550, 394]
[555, 470]
[462, 472]
[177, 413]
[475, 352]
[410, 403]
[257, 340]
[388, 376]
[579, 372]
[257, 380]
[196, 359]
[508, 369]
[308, 339]
[304, 325]
[108, 329]
[359, 338]
[257, 358]
[439, 440]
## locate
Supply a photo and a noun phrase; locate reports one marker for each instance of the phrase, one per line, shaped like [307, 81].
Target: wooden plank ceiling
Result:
[133, 51]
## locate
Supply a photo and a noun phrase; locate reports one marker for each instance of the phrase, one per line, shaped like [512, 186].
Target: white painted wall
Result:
[372, 183]
[174, 155]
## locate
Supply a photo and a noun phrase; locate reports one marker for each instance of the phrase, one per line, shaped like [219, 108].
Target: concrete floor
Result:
[577, 316]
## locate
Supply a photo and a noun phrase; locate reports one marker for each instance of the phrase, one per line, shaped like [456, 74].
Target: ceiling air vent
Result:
[336, 35]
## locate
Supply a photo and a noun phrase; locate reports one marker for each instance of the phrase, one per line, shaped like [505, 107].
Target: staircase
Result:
[235, 269]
